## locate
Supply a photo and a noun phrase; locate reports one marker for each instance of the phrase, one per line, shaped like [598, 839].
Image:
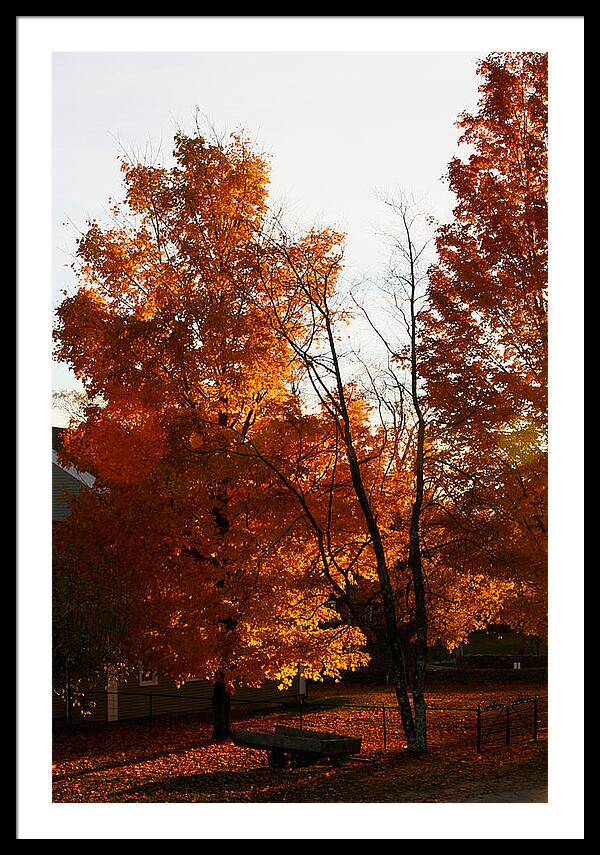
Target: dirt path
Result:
[532, 793]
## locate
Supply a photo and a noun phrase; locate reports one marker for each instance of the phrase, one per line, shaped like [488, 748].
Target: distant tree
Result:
[485, 335]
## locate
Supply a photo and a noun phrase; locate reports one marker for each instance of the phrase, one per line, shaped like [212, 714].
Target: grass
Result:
[176, 761]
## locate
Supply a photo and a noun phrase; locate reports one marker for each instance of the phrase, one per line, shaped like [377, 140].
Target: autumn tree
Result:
[485, 335]
[167, 333]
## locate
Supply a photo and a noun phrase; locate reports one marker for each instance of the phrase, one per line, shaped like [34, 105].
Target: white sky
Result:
[339, 127]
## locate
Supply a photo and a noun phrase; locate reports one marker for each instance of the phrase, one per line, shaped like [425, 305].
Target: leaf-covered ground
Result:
[175, 760]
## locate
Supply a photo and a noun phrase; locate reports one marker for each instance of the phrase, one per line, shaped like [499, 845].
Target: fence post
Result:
[479, 728]
[384, 727]
[535, 717]
[150, 709]
[69, 702]
[508, 724]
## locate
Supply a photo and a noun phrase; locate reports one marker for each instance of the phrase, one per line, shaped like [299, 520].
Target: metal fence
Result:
[520, 720]
[486, 727]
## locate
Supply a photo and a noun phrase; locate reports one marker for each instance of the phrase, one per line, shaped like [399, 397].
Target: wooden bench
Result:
[291, 745]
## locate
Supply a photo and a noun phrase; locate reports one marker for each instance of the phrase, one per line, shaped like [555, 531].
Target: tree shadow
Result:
[261, 784]
[131, 760]
[132, 738]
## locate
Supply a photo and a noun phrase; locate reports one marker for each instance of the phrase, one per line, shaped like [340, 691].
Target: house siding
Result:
[64, 486]
[165, 698]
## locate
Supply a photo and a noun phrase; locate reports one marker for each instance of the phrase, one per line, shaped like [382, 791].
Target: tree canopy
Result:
[170, 336]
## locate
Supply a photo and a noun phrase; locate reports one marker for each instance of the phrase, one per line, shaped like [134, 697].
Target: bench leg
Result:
[303, 759]
[277, 759]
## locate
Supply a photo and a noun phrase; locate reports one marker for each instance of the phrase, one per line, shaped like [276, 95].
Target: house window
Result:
[148, 677]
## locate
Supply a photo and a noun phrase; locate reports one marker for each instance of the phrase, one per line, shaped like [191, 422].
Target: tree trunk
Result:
[414, 553]
[420, 644]
[406, 713]
[221, 704]
[69, 700]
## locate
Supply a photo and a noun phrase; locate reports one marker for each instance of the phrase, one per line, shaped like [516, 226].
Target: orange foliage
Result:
[224, 511]
[485, 337]
[169, 333]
